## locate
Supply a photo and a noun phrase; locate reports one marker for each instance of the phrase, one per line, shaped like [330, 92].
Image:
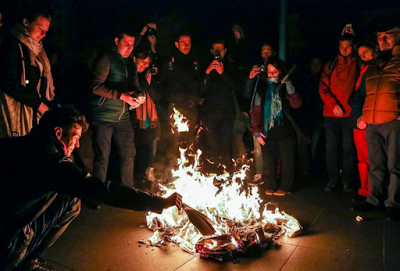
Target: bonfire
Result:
[233, 213]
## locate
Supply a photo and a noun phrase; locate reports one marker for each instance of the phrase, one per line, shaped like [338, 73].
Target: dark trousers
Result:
[218, 138]
[42, 232]
[182, 139]
[146, 148]
[123, 135]
[271, 151]
[339, 130]
[383, 144]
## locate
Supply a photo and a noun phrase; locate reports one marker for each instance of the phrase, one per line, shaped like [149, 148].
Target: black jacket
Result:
[180, 77]
[34, 167]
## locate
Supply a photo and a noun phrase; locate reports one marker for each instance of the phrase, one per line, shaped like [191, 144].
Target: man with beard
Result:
[180, 78]
[218, 110]
[380, 118]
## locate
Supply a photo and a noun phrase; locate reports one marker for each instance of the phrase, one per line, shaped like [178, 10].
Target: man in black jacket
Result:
[180, 77]
[40, 187]
[217, 114]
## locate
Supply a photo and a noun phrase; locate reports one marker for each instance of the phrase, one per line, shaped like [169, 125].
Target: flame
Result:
[180, 121]
[226, 205]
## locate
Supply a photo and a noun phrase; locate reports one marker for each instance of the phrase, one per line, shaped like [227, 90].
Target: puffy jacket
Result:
[336, 88]
[382, 89]
[112, 76]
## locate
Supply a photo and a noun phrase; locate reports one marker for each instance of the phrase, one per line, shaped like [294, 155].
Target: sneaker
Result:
[35, 264]
[269, 192]
[330, 187]
[363, 207]
[257, 180]
[150, 174]
[280, 193]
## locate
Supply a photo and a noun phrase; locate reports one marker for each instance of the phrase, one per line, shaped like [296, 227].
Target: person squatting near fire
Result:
[40, 189]
[180, 77]
[380, 119]
[26, 83]
[116, 90]
[336, 86]
[273, 124]
[367, 51]
[218, 109]
[146, 121]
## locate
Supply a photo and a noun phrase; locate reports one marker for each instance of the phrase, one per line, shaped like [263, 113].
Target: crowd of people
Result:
[238, 112]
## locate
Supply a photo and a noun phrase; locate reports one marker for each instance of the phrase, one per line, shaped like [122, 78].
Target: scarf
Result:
[38, 58]
[272, 106]
[147, 109]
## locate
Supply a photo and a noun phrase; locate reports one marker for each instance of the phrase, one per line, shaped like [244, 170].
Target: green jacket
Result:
[112, 76]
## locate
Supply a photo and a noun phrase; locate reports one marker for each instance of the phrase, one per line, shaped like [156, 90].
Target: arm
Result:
[359, 98]
[70, 180]
[10, 75]
[324, 89]
[101, 69]
[295, 100]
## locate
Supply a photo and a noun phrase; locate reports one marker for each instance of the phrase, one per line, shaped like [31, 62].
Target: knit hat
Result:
[348, 29]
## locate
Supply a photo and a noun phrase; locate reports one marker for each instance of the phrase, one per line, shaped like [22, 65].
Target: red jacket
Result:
[337, 89]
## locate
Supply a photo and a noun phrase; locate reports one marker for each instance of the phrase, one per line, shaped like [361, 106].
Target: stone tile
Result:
[309, 259]
[272, 259]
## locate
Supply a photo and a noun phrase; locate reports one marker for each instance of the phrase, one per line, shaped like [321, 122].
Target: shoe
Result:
[269, 192]
[358, 198]
[392, 214]
[347, 188]
[330, 187]
[257, 180]
[35, 264]
[280, 193]
[150, 174]
[364, 207]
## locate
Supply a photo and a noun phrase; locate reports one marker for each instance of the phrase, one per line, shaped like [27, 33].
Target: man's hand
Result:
[215, 65]
[174, 199]
[361, 124]
[338, 111]
[42, 108]
[146, 27]
[126, 97]
[254, 71]
[260, 139]
[153, 42]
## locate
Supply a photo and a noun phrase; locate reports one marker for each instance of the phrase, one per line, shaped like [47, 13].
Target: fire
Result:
[235, 212]
[180, 121]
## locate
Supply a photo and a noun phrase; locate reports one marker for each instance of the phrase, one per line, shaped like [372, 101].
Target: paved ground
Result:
[107, 239]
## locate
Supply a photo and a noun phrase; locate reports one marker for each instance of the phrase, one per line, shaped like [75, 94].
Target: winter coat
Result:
[336, 88]
[112, 76]
[19, 84]
[180, 77]
[382, 90]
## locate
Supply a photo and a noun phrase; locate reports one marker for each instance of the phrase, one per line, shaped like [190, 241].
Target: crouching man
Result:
[40, 189]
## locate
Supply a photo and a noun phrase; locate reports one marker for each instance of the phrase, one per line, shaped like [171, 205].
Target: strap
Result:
[23, 78]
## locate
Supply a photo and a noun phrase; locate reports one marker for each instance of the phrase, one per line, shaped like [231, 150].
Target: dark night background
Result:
[313, 26]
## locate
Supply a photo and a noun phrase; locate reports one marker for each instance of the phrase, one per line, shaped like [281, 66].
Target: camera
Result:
[151, 31]
[217, 56]
[152, 70]
[261, 68]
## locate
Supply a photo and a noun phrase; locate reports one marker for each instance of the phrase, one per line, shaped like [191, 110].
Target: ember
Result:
[239, 226]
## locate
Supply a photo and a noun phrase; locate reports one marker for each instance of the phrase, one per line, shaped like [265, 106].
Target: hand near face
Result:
[215, 65]
[254, 71]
